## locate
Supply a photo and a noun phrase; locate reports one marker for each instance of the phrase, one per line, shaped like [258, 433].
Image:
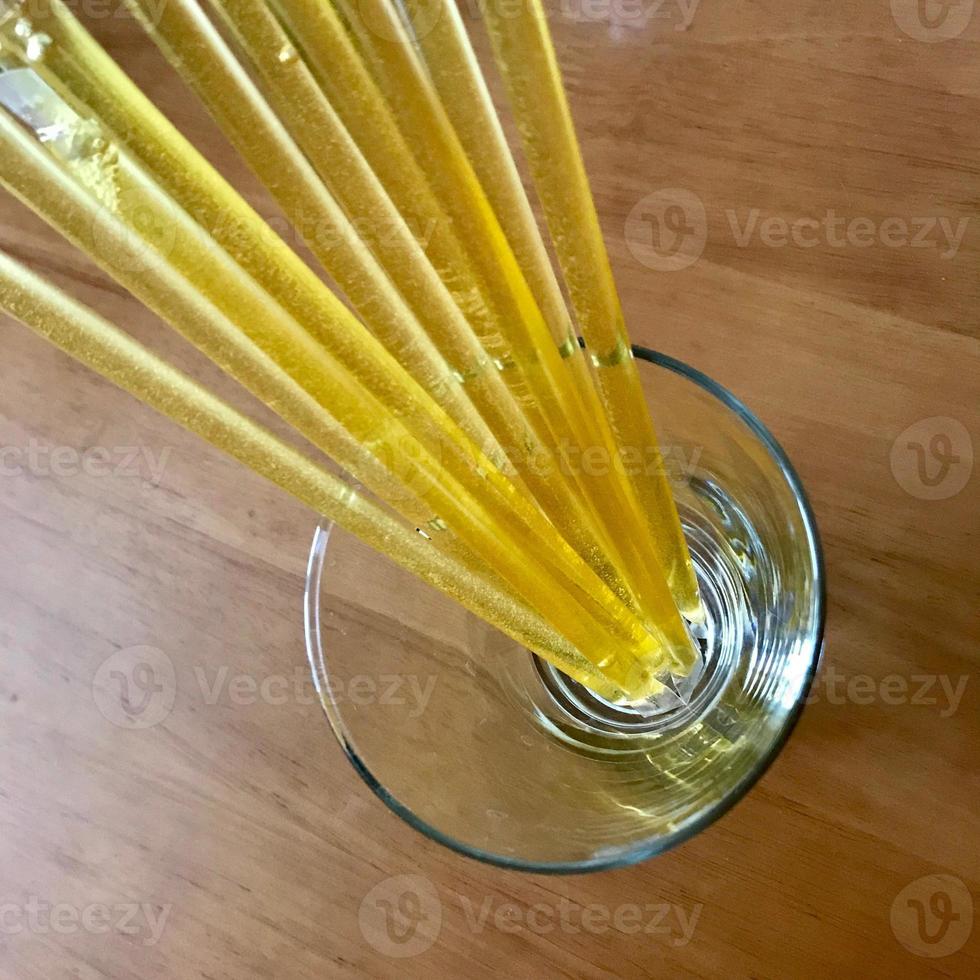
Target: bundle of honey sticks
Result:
[448, 382]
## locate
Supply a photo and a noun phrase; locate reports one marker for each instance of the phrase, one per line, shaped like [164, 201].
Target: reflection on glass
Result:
[492, 752]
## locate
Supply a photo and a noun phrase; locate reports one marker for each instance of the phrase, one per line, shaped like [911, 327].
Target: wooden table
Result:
[823, 162]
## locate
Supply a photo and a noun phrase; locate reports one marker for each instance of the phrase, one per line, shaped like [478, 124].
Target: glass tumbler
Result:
[489, 750]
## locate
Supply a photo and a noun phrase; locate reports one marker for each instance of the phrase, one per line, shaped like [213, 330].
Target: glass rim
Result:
[645, 850]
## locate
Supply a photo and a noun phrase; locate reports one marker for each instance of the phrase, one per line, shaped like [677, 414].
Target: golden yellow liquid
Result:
[199, 289]
[84, 335]
[199, 53]
[527, 62]
[459, 83]
[319, 130]
[257, 310]
[518, 337]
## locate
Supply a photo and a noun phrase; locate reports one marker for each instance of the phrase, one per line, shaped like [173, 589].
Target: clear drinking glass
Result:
[494, 753]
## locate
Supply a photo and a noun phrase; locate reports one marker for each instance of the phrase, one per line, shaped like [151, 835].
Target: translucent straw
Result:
[74, 61]
[528, 349]
[95, 342]
[547, 575]
[526, 57]
[202, 57]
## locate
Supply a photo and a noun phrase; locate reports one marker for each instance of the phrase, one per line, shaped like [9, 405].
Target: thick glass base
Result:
[724, 640]
[497, 754]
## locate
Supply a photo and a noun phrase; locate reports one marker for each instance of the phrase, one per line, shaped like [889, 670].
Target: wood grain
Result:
[242, 823]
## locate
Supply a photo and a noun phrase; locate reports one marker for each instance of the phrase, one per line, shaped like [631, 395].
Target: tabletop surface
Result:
[789, 191]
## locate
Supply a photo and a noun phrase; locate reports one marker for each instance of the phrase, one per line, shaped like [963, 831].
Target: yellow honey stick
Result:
[58, 200]
[456, 75]
[526, 57]
[527, 554]
[81, 333]
[199, 53]
[316, 125]
[438, 189]
[317, 128]
[536, 374]
[320, 127]
[461, 87]
[112, 97]
[138, 196]
[458, 80]
[74, 61]
[386, 46]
